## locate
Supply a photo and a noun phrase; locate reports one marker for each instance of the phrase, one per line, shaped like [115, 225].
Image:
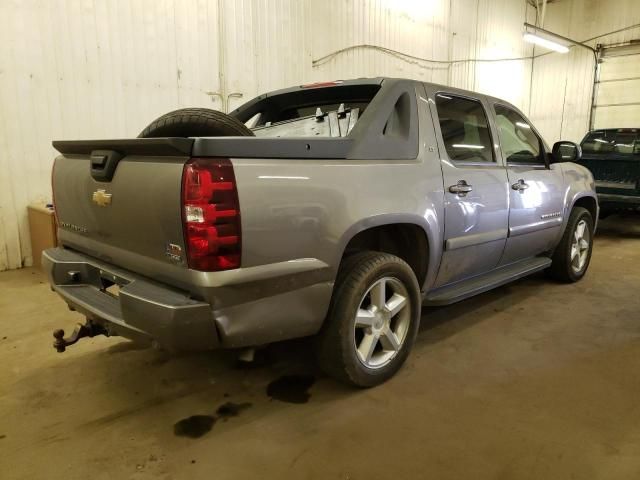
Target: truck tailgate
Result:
[133, 217]
[614, 175]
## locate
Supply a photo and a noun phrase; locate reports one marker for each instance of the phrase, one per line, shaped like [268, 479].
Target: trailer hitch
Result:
[89, 329]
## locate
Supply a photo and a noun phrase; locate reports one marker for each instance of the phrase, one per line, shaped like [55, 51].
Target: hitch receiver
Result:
[89, 329]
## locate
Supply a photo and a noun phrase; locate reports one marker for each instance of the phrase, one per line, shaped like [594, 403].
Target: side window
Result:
[519, 142]
[465, 130]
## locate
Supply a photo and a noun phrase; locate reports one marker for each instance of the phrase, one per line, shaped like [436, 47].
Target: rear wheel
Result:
[573, 254]
[195, 122]
[373, 320]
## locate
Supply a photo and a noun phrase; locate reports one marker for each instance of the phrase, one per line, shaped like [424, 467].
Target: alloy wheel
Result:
[382, 322]
[580, 246]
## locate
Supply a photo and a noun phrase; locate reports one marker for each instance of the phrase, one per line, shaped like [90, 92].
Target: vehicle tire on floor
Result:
[373, 319]
[196, 122]
[573, 254]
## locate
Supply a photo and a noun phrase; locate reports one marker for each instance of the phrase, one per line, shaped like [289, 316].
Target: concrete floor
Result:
[533, 380]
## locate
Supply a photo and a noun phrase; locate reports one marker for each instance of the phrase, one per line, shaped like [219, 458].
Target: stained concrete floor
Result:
[532, 380]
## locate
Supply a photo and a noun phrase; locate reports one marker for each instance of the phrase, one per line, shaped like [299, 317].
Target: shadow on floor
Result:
[619, 226]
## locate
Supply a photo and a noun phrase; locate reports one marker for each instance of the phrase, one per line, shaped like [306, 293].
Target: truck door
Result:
[475, 184]
[536, 190]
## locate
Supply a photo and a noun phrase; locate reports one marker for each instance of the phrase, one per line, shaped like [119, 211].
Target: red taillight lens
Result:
[332, 83]
[211, 214]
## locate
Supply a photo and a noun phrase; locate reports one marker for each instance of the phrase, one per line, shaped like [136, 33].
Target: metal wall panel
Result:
[90, 69]
[562, 84]
[618, 93]
[105, 68]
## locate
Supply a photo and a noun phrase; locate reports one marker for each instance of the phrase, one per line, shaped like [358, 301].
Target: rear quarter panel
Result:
[299, 209]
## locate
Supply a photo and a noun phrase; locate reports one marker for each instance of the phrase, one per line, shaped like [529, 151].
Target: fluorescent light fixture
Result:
[465, 145]
[523, 125]
[599, 140]
[545, 42]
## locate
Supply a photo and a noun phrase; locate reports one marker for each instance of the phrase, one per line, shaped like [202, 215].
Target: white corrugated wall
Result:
[105, 68]
[561, 97]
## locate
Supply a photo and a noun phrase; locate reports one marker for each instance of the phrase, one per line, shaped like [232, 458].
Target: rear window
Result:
[314, 110]
[619, 142]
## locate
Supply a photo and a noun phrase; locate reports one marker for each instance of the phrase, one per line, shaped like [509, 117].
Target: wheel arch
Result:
[590, 203]
[580, 191]
[409, 237]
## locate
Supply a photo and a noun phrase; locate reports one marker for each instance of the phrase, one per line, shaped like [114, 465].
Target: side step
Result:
[482, 283]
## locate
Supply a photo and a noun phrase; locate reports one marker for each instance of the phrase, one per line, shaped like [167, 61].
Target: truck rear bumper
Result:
[142, 310]
[277, 307]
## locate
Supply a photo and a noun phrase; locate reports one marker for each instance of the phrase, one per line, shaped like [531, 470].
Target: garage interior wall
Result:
[562, 84]
[618, 94]
[86, 69]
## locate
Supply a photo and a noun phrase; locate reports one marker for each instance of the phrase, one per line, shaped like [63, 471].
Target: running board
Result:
[482, 283]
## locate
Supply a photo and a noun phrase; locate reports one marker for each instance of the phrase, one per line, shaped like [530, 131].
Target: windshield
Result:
[615, 141]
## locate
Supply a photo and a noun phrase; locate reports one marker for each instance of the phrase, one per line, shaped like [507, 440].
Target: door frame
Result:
[498, 164]
[542, 224]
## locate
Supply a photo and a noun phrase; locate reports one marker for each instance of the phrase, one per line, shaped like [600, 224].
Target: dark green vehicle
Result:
[613, 156]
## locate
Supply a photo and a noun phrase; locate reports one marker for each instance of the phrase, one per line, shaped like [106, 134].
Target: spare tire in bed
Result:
[195, 122]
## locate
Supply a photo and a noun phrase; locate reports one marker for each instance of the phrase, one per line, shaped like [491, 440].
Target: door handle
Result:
[520, 185]
[461, 188]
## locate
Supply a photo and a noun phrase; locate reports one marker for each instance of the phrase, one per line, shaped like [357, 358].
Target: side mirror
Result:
[565, 151]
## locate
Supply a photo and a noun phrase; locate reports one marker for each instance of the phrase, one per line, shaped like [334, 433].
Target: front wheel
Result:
[573, 254]
[373, 319]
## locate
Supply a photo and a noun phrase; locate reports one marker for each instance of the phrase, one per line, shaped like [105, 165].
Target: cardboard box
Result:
[42, 226]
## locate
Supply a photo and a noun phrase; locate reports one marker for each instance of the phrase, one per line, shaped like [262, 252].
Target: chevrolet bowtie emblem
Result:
[102, 198]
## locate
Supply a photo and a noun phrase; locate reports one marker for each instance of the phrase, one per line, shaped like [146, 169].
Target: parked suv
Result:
[335, 209]
[613, 156]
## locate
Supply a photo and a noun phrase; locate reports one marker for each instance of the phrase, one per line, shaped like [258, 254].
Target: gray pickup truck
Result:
[334, 209]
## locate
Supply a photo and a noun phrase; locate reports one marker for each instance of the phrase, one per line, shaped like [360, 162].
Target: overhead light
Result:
[558, 43]
[466, 145]
[553, 41]
[538, 39]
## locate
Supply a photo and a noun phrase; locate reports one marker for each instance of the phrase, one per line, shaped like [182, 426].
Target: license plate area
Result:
[113, 290]
[111, 284]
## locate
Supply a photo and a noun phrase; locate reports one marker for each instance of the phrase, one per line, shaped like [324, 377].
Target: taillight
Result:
[332, 83]
[211, 214]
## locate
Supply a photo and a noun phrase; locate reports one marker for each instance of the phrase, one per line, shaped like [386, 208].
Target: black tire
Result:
[195, 122]
[561, 267]
[336, 343]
